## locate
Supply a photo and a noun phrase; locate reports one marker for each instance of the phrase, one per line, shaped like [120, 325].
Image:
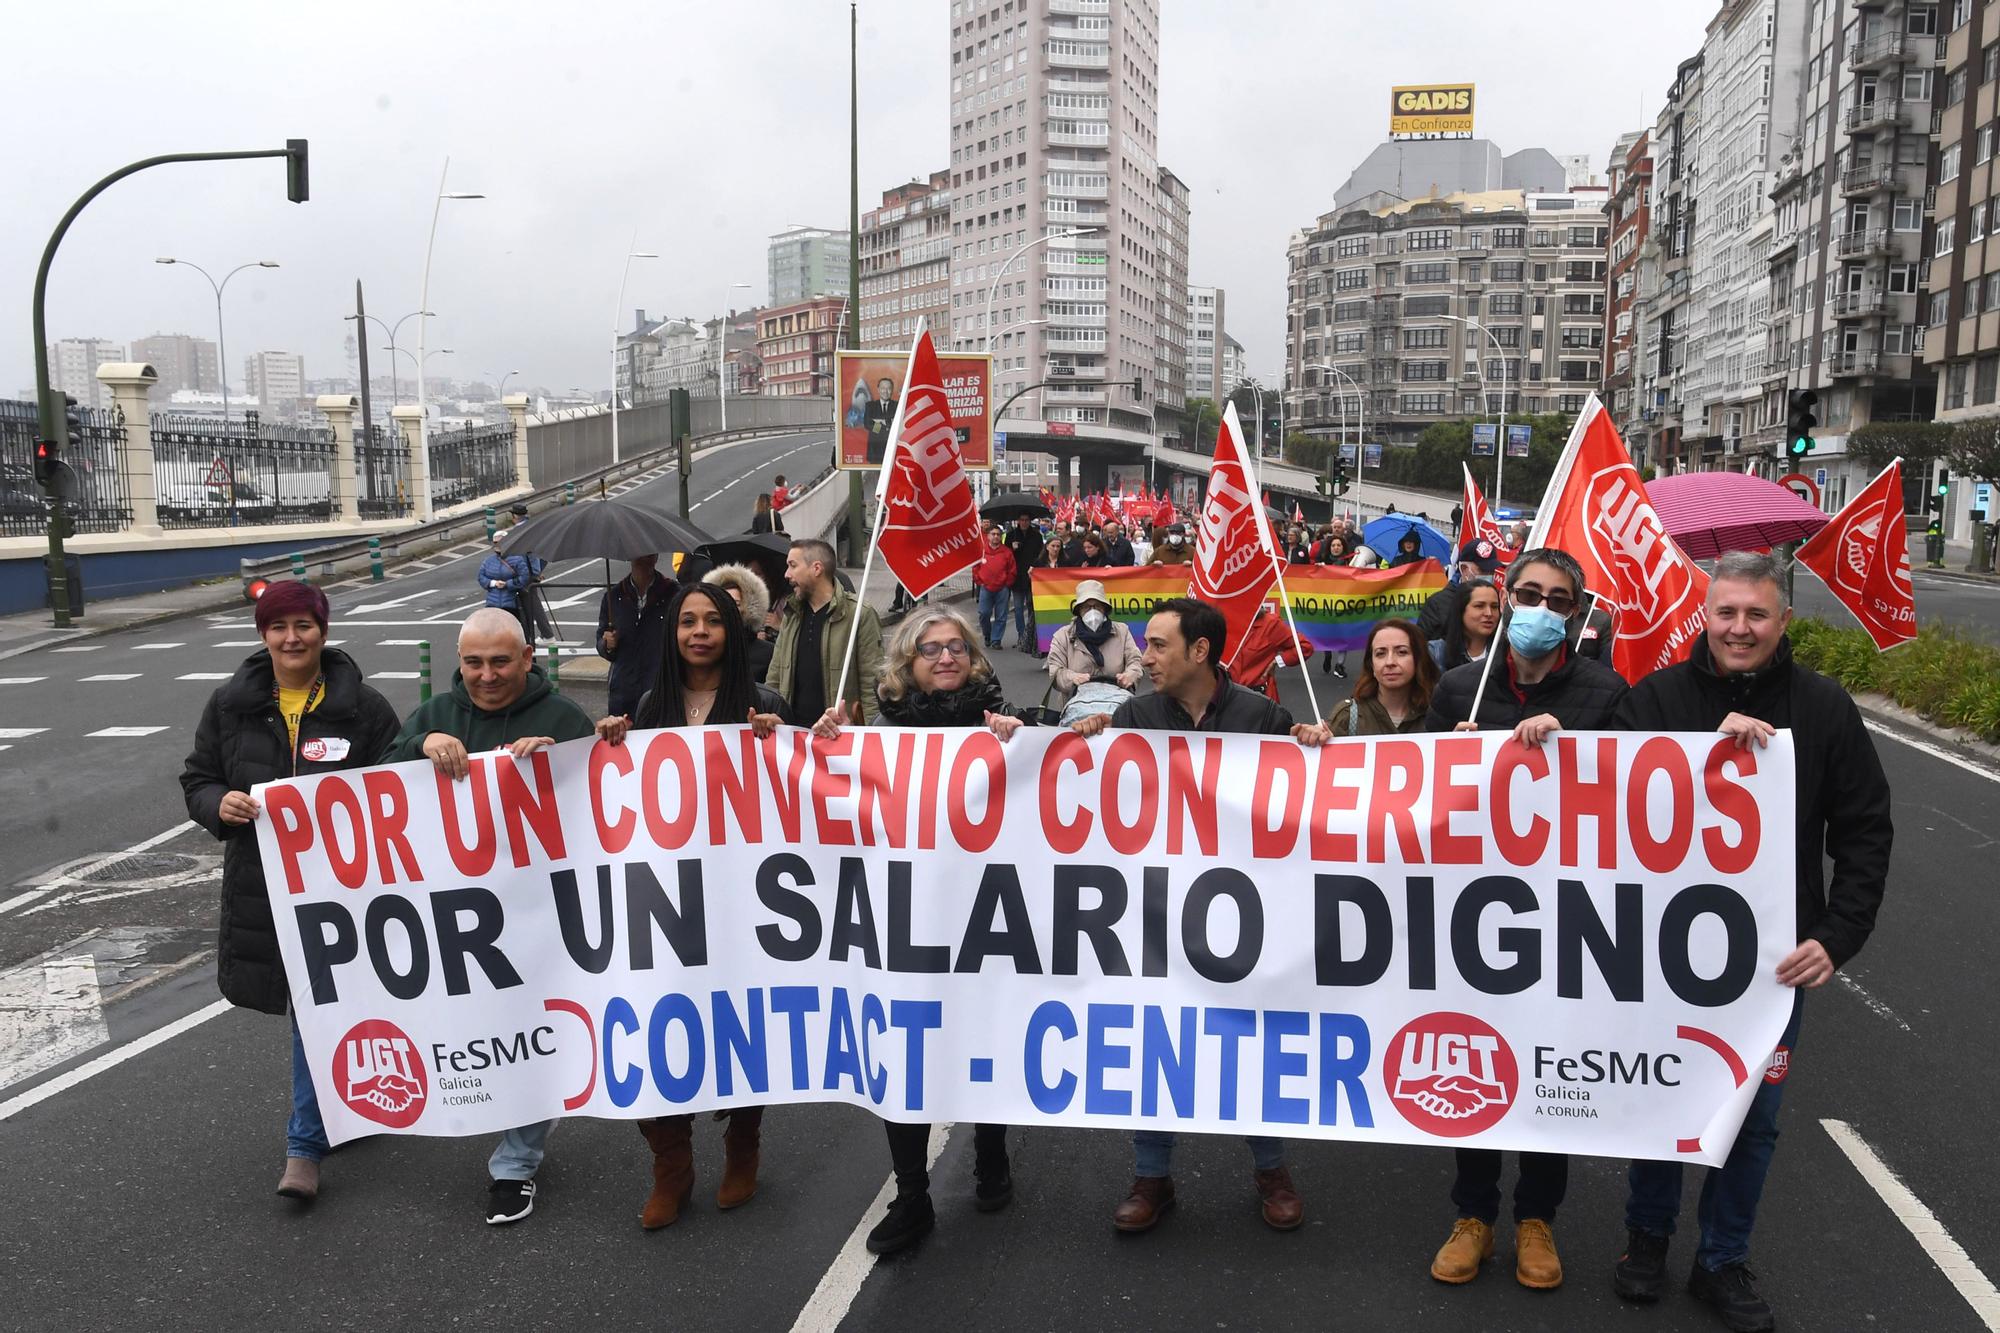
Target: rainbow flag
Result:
[1335, 607]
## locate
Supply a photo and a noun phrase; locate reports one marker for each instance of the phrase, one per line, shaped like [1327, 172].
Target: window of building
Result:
[1903, 278]
[1908, 215]
[1423, 404]
[1985, 379]
[1954, 88]
[1948, 163]
[1977, 229]
[1345, 312]
[1430, 238]
[1508, 270]
[1503, 303]
[1416, 274]
[1541, 274]
[1424, 370]
[1470, 272]
[1917, 85]
[1426, 306]
[1921, 20]
[1992, 301]
[1989, 62]
[1508, 335]
[1954, 385]
[1579, 371]
[1940, 307]
[1945, 239]
[1583, 236]
[1968, 297]
[1509, 238]
[1413, 338]
[1347, 279]
[1544, 237]
[1349, 246]
[1983, 142]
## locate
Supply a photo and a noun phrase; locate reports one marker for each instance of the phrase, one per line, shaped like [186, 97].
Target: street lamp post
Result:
[1500, 442]
[617, 319]
[993, 287]
[423, 459]
[395, 382]
[501, 391]
[221, 347]
[722, 323]
[1361, 427]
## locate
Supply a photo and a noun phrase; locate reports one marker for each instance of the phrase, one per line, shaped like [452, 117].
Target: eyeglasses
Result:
[1559, 602]
[932, 651]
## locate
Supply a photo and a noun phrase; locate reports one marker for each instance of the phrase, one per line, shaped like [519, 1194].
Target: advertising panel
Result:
[1431, 111]
[871, 384]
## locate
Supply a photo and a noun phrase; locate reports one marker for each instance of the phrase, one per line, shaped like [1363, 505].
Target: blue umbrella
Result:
[1385, 534]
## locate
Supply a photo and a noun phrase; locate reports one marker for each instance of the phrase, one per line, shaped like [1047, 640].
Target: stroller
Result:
[1099, 694]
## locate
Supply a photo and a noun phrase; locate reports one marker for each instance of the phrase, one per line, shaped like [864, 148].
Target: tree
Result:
[1974, 448]
[1205, 419]
[1917, 443]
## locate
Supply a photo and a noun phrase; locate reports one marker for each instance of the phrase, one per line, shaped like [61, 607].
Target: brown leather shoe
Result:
[1284, 1210]
[1149, 1200]
[1470, 1245]
[301, 1179]
[1536, 1263]
[739, 1157]
[672, 1141]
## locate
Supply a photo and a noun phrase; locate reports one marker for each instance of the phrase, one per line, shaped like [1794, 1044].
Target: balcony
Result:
[1859, 305]
[1064, 213]
[1865, 241]
[1888, 48]
[1882, 113]
[1075, 340]
[1849, 365]
[1094, 396]
[1083, 8]
[1078, 55]
[1873, 178]
[1072, 190]
[1075, 139]
[1060, 84]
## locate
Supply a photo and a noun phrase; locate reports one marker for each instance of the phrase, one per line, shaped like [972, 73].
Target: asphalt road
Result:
[141, 1195]
[1973, 607]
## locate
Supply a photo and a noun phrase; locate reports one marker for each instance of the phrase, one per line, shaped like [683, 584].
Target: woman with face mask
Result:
[1093, 646]
[1172, 548]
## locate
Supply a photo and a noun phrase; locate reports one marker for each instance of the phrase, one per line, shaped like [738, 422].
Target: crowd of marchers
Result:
[1519, 645]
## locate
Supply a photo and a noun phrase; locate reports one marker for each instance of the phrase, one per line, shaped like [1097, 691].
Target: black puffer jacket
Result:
[1842, 794]
[966, 706]
[1582, 694]
[1234, 708]
[241, 742]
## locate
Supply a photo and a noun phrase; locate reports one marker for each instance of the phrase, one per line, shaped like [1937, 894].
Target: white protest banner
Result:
[1415, 939]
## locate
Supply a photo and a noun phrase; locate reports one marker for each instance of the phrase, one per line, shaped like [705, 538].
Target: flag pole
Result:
[1271, 550]
[1538, 532]
[881, 503]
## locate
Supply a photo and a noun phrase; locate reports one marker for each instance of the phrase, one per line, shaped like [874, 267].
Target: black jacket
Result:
[642, 636]
[1234, 708]
[966, 706]
[1120, 552]
[1581, 693]
[1071, 554]
[1026, 544]
[768, 701]
[1842, 794]
[241, 741]
[1590, 635]
[1436, 612]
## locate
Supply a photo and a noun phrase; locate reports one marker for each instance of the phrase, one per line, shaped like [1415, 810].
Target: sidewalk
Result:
[1957, 556]
[25, 630]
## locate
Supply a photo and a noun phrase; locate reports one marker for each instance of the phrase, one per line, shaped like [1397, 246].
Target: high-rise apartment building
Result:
[183, 362]
[1057, 223]
[1207, 330]
[1437, 308]
[277, 380]
[1170, 358]
[795, 346]
[1665, 279]
[906, 263]
[1846, 262]
[805, 262]
[1235, 367]
[73, 364]
[1630, 178]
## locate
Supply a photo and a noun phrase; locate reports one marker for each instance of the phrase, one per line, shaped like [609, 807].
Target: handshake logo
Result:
[1450, 1074]
[380, 1074]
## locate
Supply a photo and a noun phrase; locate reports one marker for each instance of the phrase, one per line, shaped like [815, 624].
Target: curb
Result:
[1886, 710]
[1959, 576]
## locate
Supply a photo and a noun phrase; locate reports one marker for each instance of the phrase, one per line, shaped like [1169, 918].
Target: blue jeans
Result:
[520, 1152]
[305, 1136]
[1153, 1152]
[993, 613]
[1729, 1195]
[1024, 616]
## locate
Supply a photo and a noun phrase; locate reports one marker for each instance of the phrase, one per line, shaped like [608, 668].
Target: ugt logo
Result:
[1450, 1074]
[380, 1074]
[1627, 538]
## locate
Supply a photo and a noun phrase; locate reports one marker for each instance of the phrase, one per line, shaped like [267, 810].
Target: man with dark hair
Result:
[1741, 680]
[1535, 687]
[1026, 544]
[631, 630]
[1185, 641]
[812, 637]
[879, 416]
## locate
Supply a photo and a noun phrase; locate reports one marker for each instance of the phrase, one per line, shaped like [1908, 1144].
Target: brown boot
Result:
[1149, 1200]
[1284, 1210]
[1536, 1263]
[672, 1141]
[301, 1179]
[739, 1157]
[1471, 1244]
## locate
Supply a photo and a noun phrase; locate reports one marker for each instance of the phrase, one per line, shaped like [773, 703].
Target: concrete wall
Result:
[125, 573]
[564, 446]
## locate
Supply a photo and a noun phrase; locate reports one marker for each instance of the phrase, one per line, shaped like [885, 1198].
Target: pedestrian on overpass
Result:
[935, 675]
[701, 678]
[631, 620]
[1185, 647]
[812, 639]
[294, 707]
[1741, 680]
[761, 516]
[499, 700]
[781, 495]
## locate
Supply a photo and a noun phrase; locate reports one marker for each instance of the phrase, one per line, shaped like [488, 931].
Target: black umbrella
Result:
[602, 530]
[1007, 508]
[764, 552]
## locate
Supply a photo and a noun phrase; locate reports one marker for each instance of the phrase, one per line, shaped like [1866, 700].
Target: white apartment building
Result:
[73, 364]
[277, 380]
[1207, 335]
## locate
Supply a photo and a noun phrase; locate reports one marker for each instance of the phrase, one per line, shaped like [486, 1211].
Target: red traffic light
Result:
[255, 589]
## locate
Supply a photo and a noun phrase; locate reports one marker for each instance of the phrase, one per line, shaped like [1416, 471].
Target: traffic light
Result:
[48, 463]
[1799, 422]
[1934, 502]
[1340, 474]
[295, 171]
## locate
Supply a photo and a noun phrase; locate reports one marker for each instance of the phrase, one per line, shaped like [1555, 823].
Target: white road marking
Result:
[574, 599]
[1946, 1253]
[122, 732]
[125, 675]
[76, 873]
[78, 648]
[841, 1282]
[20, 733]
[240, 643]
[111, 1059]
[402, 643]
[1934, 751]
[155, 647]
[204, 675]
[50, 1011]
[392, 675]
[20, 680]
[1881, 1010]
[398, 601]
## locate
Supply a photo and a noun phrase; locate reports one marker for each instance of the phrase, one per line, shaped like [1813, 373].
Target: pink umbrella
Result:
[1708, 513]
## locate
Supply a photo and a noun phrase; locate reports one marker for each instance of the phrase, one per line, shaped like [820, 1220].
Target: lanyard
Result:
[312, 698]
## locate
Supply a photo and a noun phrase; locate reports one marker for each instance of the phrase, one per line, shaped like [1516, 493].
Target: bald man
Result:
[499, 700]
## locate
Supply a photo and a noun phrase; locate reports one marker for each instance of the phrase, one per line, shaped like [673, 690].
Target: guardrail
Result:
[353, 554]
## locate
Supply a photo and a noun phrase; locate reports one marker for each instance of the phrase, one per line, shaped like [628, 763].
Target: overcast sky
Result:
[704, 126]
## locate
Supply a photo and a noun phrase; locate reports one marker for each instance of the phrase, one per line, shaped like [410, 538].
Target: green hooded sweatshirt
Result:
[539, 711]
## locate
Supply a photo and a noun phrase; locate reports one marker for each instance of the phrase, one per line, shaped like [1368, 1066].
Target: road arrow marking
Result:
[50, 1011]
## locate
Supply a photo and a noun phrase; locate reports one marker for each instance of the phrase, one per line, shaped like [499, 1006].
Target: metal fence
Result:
[96, 498]
[380, 460]
[208, 475]
[471, 461]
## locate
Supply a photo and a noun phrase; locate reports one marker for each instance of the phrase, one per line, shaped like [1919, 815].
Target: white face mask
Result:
[1094, 619]
[1176, 539]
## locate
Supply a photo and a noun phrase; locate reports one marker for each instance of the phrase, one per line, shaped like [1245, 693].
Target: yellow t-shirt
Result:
[294, 705]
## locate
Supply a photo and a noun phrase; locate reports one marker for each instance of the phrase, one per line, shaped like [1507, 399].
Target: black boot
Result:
[1641, 1273]
[993, 1183]
[910, 1219]
[1734, 1297]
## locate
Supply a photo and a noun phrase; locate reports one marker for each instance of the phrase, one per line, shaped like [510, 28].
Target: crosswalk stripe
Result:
[20, 680]
[124, 731]
[116, 675]
[78, 648]
[204, 675]
[242, 643]
[20, 733]
[155, 647]
[392, 675]
[401, 643]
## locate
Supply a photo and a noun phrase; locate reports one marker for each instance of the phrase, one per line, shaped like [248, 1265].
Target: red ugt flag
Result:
[1863, 557]
[1235, 557]
[1597, 509]
[1476, 522]
[930, 523]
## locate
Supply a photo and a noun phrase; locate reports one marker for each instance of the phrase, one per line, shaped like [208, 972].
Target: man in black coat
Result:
[1535, 688]
[1026, 544]
[293, 708]
[1741, 680]
[1185, 642]
[631, 631]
